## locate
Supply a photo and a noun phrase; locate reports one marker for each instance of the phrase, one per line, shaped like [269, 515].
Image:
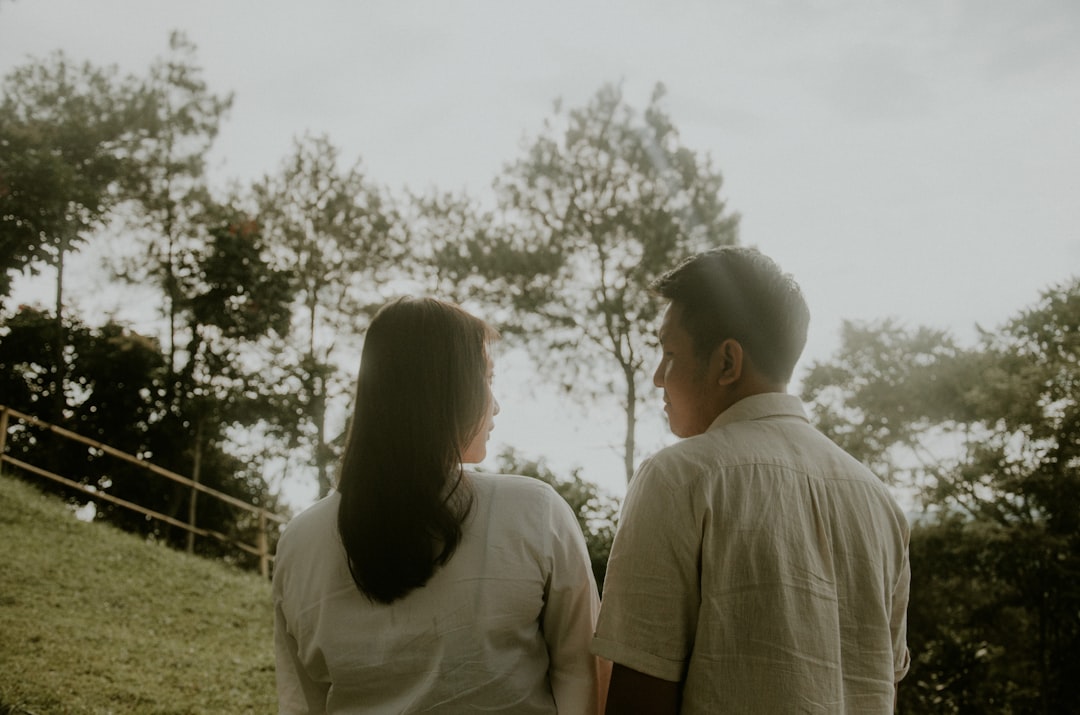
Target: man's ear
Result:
[726, 362]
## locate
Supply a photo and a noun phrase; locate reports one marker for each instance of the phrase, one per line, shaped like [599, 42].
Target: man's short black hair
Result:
[738, 292]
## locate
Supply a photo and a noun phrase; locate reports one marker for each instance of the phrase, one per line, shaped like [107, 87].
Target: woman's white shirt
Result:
[504, 626]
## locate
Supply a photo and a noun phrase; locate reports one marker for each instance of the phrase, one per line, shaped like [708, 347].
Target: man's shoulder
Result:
[686, 460]
[783, 443]
[717, 446]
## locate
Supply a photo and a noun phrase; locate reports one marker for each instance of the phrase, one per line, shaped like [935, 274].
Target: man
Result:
[758, 568]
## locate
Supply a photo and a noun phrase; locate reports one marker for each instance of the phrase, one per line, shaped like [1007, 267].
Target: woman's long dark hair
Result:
[420, 397]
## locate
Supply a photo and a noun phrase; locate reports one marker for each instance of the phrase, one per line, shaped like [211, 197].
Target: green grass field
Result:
[96, 620]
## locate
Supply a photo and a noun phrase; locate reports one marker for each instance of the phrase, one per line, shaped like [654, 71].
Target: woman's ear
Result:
[726, 362]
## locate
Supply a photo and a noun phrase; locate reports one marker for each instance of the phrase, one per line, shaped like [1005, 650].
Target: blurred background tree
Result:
[991, 437]
[180, 119]
[66, 131]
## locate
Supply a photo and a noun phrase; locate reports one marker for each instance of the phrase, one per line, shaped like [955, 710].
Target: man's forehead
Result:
[667, 323]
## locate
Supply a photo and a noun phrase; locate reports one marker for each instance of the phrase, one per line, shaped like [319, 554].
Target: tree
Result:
[168, 183]
[597, 513]
[237, 299]
[602, 203]
[854, 399]
[448, 234]
[206, 258]
[991, 437]
[65, 133]
[337, 235]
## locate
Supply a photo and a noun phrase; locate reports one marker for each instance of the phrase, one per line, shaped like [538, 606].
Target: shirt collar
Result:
[761, 406]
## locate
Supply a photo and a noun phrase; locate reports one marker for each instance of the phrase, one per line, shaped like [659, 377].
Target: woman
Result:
[418, 587]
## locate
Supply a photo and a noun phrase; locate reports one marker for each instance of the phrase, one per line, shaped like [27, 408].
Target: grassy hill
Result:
[96, 620]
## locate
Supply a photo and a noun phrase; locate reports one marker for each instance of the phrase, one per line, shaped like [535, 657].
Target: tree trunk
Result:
[631, 423]
[58, 367]
[322, 456]
[171, 291]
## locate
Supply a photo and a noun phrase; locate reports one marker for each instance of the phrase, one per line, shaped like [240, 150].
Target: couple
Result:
[757, 567]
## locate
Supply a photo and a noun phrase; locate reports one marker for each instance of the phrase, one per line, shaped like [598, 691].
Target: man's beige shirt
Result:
[763, 566]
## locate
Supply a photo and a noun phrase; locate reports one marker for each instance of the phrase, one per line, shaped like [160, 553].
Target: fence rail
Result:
[260, 549]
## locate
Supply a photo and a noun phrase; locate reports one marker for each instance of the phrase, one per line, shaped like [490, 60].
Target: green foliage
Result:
[181, 118]
[333, 230]
[112, 376]
[991, 435]
[991, 623]
[240, 295]
[98, 621]
[65, 139]
[234, 299]
[456, 243]
[879, 395]
[597, 513]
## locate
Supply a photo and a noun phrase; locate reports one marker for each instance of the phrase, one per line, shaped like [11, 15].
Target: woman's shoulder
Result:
[316, 510]
[495, 481]
[511, 486]
[526, 507]
[318, 516]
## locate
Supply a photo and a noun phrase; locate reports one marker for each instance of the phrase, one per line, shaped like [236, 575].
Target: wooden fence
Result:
[260, 549]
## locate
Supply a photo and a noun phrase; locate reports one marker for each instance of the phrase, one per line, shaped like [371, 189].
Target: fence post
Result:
[196, 477]
[3, 429]
[264, 546]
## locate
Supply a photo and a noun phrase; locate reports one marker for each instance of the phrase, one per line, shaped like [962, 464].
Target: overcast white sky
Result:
[917, 159]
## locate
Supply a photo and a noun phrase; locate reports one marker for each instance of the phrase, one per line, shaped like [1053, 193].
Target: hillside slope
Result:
[96, 620]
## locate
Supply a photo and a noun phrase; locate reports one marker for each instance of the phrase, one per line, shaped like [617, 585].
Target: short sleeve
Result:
[652, 588]
[298, 694]
[570, 612]
[898, 621]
